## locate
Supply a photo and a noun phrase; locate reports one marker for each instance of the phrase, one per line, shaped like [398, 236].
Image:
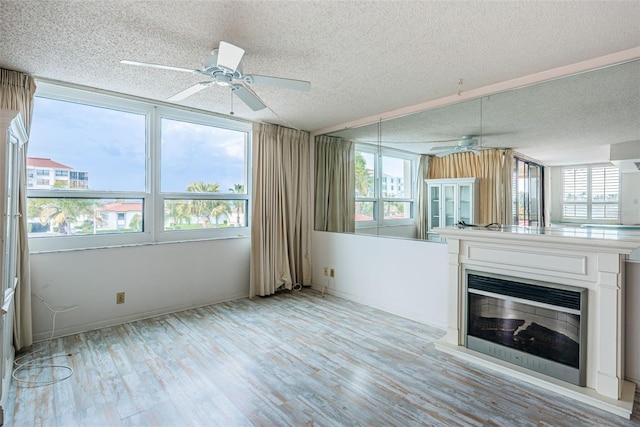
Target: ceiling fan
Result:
[467, 143]
[223, 68]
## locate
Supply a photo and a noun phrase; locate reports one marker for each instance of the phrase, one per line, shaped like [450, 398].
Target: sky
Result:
[110, 145]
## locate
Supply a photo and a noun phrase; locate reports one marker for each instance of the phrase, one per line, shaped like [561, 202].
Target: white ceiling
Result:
[363, 58]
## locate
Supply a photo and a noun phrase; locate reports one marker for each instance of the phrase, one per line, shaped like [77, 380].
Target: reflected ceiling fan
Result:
[223, 68]
[468, 143]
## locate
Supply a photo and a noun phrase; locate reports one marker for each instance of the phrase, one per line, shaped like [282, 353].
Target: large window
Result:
[591, 194]
[384, 186]
[122, 171]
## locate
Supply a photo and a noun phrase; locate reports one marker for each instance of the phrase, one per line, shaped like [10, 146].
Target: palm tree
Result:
[62, 212]
[238, 204]
[206, 209]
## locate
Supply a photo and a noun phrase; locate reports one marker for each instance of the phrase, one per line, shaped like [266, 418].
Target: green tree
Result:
[136, 222]
[207, 209]
[178, 212]
[61, 212]
[363, 179]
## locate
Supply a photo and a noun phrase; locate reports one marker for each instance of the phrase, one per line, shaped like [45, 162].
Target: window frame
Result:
[589, 203]
[151, 197]
[378, 199]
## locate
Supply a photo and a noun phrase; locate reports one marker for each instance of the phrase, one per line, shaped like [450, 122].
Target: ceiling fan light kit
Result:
[223, 67]
[467, 143]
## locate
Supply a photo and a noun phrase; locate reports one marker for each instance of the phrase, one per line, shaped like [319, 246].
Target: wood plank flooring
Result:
[288, 360]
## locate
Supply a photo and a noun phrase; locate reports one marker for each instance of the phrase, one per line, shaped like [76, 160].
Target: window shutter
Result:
[575, 185]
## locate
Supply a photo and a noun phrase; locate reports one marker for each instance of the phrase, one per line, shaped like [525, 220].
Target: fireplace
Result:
[580, 274]
[537, 325]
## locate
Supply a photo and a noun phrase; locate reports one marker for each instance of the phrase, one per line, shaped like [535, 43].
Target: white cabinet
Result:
[451, 201]
[12, 143]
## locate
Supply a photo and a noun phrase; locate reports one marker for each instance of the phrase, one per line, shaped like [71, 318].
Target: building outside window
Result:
[145, 173]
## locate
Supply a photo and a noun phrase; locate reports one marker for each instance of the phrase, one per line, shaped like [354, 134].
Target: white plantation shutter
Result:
[575, 185]
[591, 193]
[575, 188]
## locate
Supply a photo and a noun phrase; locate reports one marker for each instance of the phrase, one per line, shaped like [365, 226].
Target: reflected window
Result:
[527, 193]
[591, 193]
[384, 186]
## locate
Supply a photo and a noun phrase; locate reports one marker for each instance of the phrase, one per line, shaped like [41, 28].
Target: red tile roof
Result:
[39, 162]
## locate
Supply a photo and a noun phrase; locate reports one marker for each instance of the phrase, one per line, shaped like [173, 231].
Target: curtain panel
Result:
[281, 210]
[494, 168]
[16, 93]
[335, 184]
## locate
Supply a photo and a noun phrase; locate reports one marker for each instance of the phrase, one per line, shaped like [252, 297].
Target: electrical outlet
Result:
[120, 298]
[326, 271]
[333, 272]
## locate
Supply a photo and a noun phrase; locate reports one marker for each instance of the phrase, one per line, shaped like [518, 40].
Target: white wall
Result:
[156, 279]
[403, 277]
[630, 205]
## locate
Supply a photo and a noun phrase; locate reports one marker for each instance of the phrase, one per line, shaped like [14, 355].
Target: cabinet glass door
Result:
[434, 207]
[449, 204]
[466, 203]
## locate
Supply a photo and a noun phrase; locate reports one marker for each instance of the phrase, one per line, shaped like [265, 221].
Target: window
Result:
[209, 193]
[591, 193]
[384, 184]
[527, 193]
[132, 172]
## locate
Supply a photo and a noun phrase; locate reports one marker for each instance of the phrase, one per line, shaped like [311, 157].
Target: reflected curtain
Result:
[493, 167]
[335, 184]
[422, 208]
[16, 93]
[281, 211]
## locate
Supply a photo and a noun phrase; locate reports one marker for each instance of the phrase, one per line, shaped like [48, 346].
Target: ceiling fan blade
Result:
[162, 67]
[190, 91]
[278, 82]
[443, 147]
[229, 56]
[248, 97]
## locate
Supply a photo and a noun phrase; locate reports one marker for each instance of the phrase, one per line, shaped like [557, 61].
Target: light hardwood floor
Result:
[292, 359]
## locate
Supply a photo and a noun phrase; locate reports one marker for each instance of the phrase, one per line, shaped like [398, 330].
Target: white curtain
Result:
[422, 208]
[281, 211]
[16, 93]
[335, 199]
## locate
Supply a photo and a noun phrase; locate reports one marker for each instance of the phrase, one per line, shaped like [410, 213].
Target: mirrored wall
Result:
[567, 121]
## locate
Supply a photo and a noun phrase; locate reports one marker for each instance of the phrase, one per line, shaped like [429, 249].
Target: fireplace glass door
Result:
[533, 325]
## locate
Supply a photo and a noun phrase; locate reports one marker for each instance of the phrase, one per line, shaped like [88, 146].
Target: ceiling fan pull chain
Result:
[231, 94]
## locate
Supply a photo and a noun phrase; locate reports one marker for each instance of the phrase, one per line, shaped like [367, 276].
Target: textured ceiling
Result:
[362, 58]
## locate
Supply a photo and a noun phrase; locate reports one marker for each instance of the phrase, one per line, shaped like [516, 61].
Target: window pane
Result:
[604, 211]
[364, 170]
[397, 210]
[575, 185]
[577, 211]
[605, 184]
[193, 214]
[201, 158]
[77, 146]
[365, 211]
[49, 217]
[396, 177]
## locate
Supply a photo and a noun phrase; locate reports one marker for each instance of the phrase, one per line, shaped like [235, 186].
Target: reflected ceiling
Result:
[565, 121]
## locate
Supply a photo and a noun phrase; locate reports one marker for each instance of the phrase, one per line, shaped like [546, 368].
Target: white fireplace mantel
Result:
[590, 258]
